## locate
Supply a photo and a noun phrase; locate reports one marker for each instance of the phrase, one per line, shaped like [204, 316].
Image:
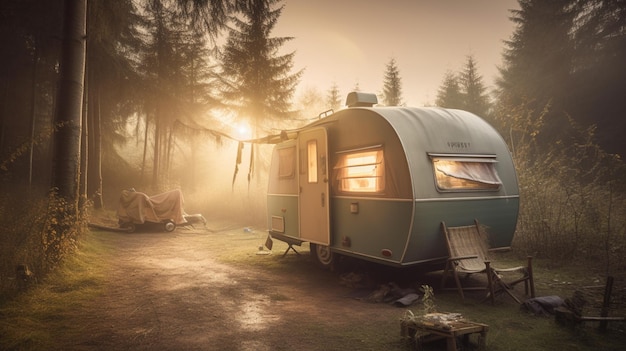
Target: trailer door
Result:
[314, 213]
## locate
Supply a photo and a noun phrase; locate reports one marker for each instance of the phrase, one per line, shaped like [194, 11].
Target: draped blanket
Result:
[139, 208]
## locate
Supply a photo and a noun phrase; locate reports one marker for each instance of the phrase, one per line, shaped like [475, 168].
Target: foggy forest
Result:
[101, 96]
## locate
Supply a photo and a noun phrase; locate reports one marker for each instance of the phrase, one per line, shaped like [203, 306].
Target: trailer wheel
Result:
[170, 226]
[323, 256]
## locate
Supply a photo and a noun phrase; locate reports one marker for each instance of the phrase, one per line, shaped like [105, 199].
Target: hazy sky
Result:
[350, 41]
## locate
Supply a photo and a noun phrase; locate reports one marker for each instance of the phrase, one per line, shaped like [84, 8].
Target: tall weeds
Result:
[573, 198]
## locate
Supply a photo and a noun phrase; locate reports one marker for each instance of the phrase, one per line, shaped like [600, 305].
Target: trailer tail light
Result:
[386, 252]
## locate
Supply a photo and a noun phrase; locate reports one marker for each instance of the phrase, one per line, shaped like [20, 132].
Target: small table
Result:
[437, 326]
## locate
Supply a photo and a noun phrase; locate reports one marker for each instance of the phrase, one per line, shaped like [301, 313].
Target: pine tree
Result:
[333, 97]
[160, 69]
[29, 34]
[567, 56]
[175, 69]
[112, 84]
[538, 57]
[475, 97]
[392, 85]
[449, 94]
[310, 104]
[256, 81]
[597, 90]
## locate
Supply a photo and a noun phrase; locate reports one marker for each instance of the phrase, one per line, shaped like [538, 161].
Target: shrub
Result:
[573, 196]
[39, 232]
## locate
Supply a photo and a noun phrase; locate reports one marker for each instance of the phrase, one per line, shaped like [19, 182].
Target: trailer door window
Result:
[286, 162]
[312, 160]
[458, 174]
[361, 171]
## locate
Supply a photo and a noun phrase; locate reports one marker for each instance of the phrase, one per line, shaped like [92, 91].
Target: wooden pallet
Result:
[449, 326]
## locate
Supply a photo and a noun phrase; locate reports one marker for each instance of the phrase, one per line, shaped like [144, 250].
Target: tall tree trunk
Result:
[95, 164]
[192, 165]
[84, 145]
[156, 161]
[66, 157]
[145, 149]
[4, 102]
[33, 117]
[169, 151]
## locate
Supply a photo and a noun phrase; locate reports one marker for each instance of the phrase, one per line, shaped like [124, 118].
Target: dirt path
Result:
[167, 291]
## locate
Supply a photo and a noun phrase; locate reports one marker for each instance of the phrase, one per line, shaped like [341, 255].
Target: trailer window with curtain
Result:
[361, 171]
[460, 173]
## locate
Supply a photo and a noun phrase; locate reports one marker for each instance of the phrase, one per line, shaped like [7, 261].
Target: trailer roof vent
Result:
[356, 99]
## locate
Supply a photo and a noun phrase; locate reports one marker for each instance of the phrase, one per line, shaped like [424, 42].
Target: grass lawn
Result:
[31, 321]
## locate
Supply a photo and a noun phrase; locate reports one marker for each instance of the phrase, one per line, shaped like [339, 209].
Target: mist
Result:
[205, 169]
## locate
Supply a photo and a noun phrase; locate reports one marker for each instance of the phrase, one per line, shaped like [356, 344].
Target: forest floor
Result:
[215, 288]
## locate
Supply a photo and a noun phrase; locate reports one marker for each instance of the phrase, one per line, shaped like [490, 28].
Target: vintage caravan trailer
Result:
[376, 183]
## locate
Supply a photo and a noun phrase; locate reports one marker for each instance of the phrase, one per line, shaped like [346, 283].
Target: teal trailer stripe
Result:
[284, 206]
[427, 242]
[379, 224]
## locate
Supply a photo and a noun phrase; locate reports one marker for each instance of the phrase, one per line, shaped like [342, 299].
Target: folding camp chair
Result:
[468, 249]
